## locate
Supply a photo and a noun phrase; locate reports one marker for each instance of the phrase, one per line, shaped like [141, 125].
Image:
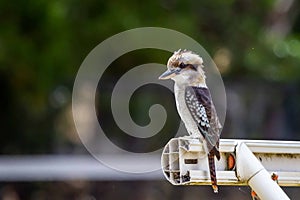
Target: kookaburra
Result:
[194, 104]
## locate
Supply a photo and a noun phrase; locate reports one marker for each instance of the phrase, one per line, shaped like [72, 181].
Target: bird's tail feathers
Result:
[211, 147]
[215, 152]
[212, 170]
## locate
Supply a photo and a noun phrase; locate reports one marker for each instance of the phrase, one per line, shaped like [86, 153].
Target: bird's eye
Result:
[182, 65]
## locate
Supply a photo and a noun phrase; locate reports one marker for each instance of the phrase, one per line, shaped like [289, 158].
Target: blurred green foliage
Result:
[42, 44]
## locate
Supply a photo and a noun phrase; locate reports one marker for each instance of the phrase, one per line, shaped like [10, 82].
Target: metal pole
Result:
[249, 169]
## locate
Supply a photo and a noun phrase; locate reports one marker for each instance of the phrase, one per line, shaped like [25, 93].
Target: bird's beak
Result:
[168, 74]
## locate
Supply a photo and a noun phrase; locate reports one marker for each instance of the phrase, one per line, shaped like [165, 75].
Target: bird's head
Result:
[185, 67]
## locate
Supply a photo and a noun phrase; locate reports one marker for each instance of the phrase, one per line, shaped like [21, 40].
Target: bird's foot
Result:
[191, 137]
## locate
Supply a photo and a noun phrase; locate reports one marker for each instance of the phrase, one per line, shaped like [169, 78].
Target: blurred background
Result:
[255, 44]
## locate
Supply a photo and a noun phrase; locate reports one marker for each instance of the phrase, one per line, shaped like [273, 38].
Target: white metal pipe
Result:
[249, 169]
[72, 167]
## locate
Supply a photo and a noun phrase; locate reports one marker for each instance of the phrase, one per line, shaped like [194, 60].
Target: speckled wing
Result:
[200, 105]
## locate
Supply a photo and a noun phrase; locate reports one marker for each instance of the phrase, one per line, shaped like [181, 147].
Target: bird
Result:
[194, 104]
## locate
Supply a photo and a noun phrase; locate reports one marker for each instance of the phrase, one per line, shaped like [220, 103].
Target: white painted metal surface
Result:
[184, 161]
[71, 167]
[251, 171]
